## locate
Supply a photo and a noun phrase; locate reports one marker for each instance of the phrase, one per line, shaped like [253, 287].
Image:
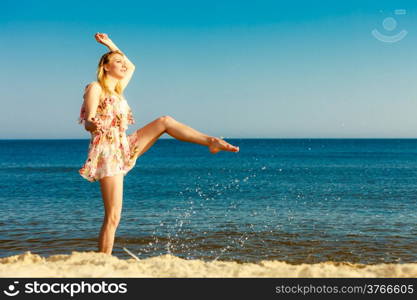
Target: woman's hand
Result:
[102, 38]
[94, 126]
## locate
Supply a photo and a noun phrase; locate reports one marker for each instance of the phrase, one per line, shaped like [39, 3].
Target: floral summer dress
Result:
[110, 151]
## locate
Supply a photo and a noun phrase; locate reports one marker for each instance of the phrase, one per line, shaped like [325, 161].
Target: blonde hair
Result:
[102, 76]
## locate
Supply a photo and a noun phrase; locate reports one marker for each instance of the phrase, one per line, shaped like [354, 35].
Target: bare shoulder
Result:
[93, 85]
[92, 90]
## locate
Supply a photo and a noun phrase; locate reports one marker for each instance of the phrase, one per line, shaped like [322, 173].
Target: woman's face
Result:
[116, 67]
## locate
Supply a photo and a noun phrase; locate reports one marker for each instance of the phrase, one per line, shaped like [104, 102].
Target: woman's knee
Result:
[112, 219]
[166, 120]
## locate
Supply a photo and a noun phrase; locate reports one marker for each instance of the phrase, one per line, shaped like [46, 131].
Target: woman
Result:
[105, 113]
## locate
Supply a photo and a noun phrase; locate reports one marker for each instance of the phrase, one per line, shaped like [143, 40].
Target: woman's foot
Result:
[216, 145]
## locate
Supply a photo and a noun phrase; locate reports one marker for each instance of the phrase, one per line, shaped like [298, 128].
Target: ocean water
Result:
[293, 200]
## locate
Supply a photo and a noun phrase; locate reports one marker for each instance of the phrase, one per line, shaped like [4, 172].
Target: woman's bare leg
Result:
[112, 194]
[145, 137]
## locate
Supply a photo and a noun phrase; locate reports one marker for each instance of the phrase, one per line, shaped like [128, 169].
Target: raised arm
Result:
[103, 38]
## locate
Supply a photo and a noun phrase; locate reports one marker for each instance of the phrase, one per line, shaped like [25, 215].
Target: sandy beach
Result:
[99, 265]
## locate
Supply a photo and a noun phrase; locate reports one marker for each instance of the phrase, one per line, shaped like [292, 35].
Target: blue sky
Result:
[244, 69]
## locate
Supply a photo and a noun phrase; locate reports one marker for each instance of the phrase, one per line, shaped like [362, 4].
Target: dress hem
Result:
[94, 179]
